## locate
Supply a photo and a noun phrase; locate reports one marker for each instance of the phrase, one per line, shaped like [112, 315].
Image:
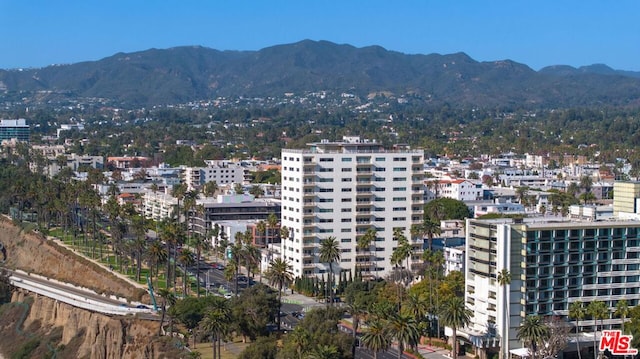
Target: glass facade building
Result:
[552, 264]
[14, 129]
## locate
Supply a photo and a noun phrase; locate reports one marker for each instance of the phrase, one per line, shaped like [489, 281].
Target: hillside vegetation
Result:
[183, 74]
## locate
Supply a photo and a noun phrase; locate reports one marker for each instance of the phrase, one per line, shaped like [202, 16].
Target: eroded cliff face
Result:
[78, 333]
[32, 253]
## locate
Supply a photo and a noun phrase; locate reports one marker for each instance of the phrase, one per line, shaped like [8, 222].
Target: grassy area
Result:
[108, 259]
[233, 350]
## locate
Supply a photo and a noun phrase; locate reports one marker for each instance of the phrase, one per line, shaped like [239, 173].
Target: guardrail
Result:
[77, 300]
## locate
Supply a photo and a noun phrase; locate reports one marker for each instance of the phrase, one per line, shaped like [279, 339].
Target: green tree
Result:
[446, 208]
[364, 244]
[200, 243]
[301, 339]
[597, 310]
[455, 314]
[532, 331]
[279, 274]
[330, 253]
[168, 299]
[253, 310]
[187, 260]
[216, 322]
[324, 351]
[404, 329]
[428, 228]
[265, 347]
[376, 337]
[622, 311]
[156, 254]
[577, 311]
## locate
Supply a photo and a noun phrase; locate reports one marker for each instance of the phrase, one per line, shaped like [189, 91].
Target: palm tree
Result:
[532, 331]
[417, 305]
[201, 243]
[329, 253]
[504, 279]
[261, 230]
[400, 253]
[279, 274]
[210, 188]
[428, 228]
[597, 310]
[168, 298]
[622, 311]
[376, 337]
[324, 351]
[455, 314]
[576, 310]
[272, 224]
[215, 322]
[187, 260]
[139, 244]
[356, 309]
[156, 254]
[404, 329]
[178, 191]
[364, 243]
[301, 339]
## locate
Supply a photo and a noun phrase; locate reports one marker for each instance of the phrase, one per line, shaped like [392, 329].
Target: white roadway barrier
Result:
[74, 299]
[69, 285]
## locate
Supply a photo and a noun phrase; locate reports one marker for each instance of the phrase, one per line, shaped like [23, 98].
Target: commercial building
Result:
[342, 189]
[14, 130]
[552, 264]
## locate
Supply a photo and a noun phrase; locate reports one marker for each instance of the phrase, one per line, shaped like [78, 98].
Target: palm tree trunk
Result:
[279, 305]
[214, 340]
[164, 309]
[578, 338]
[454, 346]
[198, 271]
[330, 286]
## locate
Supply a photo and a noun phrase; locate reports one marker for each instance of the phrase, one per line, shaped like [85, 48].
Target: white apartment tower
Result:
[342, 189]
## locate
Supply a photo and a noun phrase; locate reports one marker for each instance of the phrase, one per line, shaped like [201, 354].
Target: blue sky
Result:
[537, 33]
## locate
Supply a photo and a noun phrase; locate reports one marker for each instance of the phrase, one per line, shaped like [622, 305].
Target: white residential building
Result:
[342, 189]
[460, 189]
[223, 173]
[453, 259]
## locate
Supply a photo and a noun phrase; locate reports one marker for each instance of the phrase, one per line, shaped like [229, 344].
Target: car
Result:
[220, 266]
[140, 306]
[124, 305]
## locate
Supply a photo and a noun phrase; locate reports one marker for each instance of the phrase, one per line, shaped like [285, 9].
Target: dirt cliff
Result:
[42, 327]
[33, 253]
[35, 326]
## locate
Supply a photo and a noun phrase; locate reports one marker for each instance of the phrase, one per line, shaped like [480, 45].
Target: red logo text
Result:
[617, 343]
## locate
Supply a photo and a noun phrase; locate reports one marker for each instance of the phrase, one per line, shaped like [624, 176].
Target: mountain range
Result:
[191, 73]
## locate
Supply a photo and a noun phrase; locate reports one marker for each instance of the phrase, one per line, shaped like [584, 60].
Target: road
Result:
[78, 297]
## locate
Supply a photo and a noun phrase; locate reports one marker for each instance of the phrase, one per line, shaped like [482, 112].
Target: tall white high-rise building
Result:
[342, 189]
